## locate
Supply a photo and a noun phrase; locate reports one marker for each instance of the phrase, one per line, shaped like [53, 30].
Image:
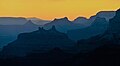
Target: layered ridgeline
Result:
[8, 33]
[87, 22]
[21, 21]
[38, 21]
[38, 41]
[10, 27]
[44, 40]
[107, 46]
[97, 27]
[41, 45]
[34, 43]
[103, 14]
[110, 37]
[81, 27]
[12, 20]
[63, 25]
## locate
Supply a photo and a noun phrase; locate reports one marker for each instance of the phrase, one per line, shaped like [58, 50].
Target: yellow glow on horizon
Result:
[50, 9]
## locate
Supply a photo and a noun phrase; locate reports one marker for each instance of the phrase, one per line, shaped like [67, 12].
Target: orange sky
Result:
[50, 9]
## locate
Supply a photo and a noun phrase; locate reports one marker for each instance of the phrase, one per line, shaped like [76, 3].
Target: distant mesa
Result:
[29, 23]
[87, 22]
[62, 19]
[38, 21]
[21, 21]
[82, 20]
[12, 20]
[104, 14]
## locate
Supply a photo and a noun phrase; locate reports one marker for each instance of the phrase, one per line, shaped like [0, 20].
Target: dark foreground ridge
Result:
[40, 40]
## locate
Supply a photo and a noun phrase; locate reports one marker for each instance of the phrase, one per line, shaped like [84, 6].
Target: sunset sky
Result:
[50, 9]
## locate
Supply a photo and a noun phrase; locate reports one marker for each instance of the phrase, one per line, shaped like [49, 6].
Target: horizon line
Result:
[57, 17]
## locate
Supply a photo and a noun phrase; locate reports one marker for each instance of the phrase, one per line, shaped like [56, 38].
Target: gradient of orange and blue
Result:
[49, 9]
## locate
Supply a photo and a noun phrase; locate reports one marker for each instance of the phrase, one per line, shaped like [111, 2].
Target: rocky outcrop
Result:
[42, 40]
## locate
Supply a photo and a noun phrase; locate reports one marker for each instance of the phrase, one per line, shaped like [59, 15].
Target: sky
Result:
[50, 9]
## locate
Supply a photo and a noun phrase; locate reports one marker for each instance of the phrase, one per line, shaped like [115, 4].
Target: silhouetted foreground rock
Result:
[42, 40]
[107, 55]
[52, 57]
